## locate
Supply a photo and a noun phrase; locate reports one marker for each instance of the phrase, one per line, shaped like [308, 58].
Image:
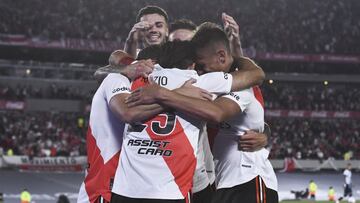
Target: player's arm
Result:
[132, 41]
[101, 73]
[252, 141]
[133, 114]
[183, 99]
[215, 112]
[117, 88]
[232, 31]
[119, 62]
[248, 74]
[138, 113]
[202, 109]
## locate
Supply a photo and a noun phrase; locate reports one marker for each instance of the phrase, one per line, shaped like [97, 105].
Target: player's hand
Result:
[232, 31]
[230, 26]
[188, 89]
[137, 31]
[144, 95]
[252, 141]
[140, 68]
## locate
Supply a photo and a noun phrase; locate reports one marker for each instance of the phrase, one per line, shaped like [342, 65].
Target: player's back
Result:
[158, 156]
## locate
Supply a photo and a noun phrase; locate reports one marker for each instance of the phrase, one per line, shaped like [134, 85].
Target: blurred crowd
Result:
[323, 26]
[278, 95]
[315, 139]
[43, 134]
[53, 91]
[311, 96]
[48, 70]
[64, 134]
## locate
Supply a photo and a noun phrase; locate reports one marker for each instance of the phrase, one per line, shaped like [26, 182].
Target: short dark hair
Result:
[151, 52]
[209, 33]
[152, 10]
[177, 54]
[182, 24]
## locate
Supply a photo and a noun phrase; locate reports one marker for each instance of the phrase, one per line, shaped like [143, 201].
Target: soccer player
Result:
[182, 30]
[312, 190]
[166, 144]
[151, 28]
[347, 185]
[331, 194]
[104, 136]
[204, 177]
[240, 176]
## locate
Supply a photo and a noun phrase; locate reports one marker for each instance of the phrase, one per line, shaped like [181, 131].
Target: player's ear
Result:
[192, 66]
[221, 53]
[167, 32]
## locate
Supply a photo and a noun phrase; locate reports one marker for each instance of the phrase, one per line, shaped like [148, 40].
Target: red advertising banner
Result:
[109, 46]
[12, 105]
[74, 44]
[325, 58]
[47, 163]
[312, 114]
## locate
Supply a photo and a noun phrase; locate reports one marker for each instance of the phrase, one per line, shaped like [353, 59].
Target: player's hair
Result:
[209, 33]
[182, 24]
[151, 52]
[177, 54]
[152, 10]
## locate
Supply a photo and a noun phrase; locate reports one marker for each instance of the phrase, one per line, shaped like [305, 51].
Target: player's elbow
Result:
[123, 114]
[99, 76]
[129, 117]
[133, 116]
[259, 76]
[216, 117]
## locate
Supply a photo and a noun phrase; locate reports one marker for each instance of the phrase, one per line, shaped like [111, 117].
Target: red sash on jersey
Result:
[99, 175]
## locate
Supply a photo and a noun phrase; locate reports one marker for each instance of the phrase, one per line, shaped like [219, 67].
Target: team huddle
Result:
[178, 117]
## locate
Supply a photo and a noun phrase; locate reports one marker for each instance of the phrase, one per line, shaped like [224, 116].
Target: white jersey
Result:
[347, 173]
[104, 140]
[232, 166]
[158, 157]
[205, 168]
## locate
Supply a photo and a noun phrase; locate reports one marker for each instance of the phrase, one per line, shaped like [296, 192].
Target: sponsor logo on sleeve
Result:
[122, 89]
[237, 97]
[226, 76]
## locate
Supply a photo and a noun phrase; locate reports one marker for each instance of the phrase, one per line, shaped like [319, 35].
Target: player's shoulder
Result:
[115, 78]
[111, 76]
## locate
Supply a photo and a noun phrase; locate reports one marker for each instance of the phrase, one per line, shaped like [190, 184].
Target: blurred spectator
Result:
[42, 134]
[279, 95]
[311, 96]
[53, 91]
[326, 26]
[63, 199]
[314, 139]
[59, 134]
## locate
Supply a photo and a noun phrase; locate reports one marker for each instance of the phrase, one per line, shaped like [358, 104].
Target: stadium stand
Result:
[324, 27]
[40, 134]
[311, 27]
[315, 138]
